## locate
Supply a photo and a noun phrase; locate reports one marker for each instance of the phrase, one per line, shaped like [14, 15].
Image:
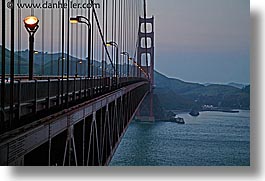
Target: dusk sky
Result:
[204, 41]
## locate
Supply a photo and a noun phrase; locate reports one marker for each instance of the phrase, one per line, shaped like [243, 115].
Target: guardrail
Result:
[40, 98]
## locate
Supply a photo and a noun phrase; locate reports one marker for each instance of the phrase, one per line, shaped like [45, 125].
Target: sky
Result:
[206, 41]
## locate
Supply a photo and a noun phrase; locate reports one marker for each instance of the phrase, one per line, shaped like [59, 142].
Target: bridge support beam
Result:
[84, 135]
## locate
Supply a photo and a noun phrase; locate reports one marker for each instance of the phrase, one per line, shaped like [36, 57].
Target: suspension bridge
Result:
[72, 79]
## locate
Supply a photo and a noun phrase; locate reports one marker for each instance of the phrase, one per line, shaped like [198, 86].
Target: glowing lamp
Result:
[31, 22]
[74, 20]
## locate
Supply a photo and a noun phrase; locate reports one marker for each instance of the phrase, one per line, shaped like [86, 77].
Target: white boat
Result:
[178, 120]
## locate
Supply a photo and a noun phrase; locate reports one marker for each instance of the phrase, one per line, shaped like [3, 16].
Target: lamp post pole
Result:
[58, 66]
[128, 66]
[114, 44]
[31, 25]
[79, 19]
[76, 68]
[117, 62]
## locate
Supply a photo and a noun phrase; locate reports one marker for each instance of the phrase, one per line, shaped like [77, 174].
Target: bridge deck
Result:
[117, 107]
[33, 100]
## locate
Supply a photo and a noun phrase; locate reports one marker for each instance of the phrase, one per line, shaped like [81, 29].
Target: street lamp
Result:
[76, 67]
[128, 59]
[80, 19]
[132, 67]
[114, 44]
[31, 25]
[58, 70]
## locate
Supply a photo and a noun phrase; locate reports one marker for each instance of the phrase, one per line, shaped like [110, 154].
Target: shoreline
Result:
[210, 110]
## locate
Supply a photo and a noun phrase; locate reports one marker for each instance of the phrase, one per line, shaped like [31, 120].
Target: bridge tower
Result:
[145, 58]
[146, 49]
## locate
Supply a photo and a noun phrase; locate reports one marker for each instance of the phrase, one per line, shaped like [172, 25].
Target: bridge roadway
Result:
[79, 123]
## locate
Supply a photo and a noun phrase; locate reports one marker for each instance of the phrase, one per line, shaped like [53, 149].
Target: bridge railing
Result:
[40, 98]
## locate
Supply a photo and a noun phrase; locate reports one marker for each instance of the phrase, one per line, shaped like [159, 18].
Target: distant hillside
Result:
[237, 85]
[177, 94]
[23, 62]
[232, 84]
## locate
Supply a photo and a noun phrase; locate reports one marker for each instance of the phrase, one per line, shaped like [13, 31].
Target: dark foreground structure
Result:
[85, 134]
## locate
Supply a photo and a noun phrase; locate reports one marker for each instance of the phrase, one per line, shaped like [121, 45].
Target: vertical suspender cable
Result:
[59, 45]
[76, 42]
[115, 27]
[72, 51]
[12, 63]
[32, 9]
[126, 29]
[89, 43]
[62, 88]
[68, 51]
[106, 35]
[81, 41]
[43, 40]
[92, 46]
[19, 39]
[121, 27]
[103, 60]
[112, 31]
[123, 30]
[145, 31]
[52, 61]
[3, 67]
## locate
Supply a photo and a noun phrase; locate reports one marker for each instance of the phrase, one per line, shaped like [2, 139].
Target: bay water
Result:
[212, 139]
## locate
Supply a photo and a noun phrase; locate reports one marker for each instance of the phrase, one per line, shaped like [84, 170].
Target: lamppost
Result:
[58, 66]
[76, 67]
[128, 66]
[132, 67]
[114, 44]
[31, 25]
[80, 19]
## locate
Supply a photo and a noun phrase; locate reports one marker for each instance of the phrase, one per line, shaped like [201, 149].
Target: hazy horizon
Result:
[202, 41]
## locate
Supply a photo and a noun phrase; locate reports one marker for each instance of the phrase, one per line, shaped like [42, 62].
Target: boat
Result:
[194, 113]
[178, 120]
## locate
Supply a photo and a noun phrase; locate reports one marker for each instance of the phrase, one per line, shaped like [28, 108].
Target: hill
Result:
[176, 94]
[237, 85]
[24, 64]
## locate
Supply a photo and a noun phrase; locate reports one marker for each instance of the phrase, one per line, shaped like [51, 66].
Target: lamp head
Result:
[111, 43]
[74, 20]
[77, 19]
[31, 22]
[124, 53]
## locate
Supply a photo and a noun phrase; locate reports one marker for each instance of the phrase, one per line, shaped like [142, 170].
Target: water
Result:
[212, 139]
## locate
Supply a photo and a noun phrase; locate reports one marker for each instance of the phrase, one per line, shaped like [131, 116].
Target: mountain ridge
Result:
[186, 95]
